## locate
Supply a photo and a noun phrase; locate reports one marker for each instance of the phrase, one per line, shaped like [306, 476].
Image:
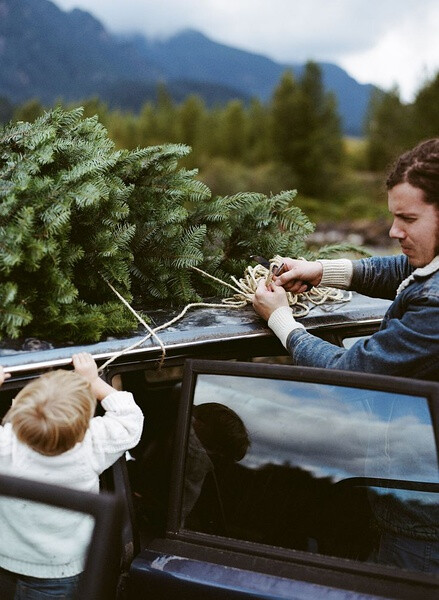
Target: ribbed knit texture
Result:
[336, 273]
[282, 323]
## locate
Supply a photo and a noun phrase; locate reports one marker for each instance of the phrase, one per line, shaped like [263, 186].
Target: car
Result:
[255, 478]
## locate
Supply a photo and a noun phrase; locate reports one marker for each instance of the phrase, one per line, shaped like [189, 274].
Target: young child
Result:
[50, 434]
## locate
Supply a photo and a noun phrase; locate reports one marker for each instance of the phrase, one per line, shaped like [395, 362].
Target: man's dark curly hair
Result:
[420, 168]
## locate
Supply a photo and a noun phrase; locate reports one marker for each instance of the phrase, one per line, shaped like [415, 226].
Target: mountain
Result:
[191, 55]
[49, 54]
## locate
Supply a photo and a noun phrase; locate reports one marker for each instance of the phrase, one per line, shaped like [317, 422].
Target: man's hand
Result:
[267, 300]
[86, 367]
[298, 274]
[3, 375]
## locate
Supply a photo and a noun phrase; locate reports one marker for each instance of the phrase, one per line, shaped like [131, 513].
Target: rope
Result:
[244, 289]
[151, 332]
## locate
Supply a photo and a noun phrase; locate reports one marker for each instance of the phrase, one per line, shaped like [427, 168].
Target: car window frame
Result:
[332, 566]
[99, 578]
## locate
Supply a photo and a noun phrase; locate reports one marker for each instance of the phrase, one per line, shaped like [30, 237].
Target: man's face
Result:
[415, 224]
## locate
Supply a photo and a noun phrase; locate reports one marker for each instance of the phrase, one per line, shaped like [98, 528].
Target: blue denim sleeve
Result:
[380, 276]
[407, 346]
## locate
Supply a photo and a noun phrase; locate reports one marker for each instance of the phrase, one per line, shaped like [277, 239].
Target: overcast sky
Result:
[386, 42]
[329, 429]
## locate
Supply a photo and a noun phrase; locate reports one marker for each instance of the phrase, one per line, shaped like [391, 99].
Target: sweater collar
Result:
[426, 271]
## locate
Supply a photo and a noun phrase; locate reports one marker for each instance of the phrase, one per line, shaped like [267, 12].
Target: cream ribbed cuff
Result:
[337, 273]
[282, 323]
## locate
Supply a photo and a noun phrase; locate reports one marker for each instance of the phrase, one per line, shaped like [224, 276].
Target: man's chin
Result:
[417, 262]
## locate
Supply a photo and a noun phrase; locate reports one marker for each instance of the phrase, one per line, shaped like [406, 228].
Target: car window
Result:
[157, 392]
[322, 468]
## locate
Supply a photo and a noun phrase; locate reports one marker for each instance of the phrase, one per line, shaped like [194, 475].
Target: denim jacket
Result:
[407, 343]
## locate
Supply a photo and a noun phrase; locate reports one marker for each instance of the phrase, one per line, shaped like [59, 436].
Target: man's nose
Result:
[396, 232]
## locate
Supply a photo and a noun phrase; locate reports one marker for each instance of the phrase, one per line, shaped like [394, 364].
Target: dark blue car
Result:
[258, 479]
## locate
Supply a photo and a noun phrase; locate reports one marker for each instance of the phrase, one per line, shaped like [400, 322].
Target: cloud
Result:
[384, 42]
[406, 56]
[285, 29]
[329, 430]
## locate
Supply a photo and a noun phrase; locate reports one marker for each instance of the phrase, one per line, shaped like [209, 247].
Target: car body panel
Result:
[179, 576]
[199, 328]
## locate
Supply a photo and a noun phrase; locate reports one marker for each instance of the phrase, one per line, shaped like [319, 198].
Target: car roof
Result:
[198, 326]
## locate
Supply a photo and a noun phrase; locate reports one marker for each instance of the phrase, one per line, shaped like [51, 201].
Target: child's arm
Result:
[3, 375]
[121, 426]
[85, 365]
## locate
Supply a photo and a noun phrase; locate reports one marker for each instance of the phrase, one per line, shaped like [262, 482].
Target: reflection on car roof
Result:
[199, 326]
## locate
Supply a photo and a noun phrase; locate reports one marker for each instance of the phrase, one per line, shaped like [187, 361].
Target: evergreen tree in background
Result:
[258, 143]
[93, 107]
[6, 110]
[29, 111]
[389, 129]
[165, 115]
[426, 111]
[394, 126]
[210, 139]
[191, 123]
[292, 141]
[233, 130]
[306, 131]
[284, 119]
[147, 126]
[321, 142]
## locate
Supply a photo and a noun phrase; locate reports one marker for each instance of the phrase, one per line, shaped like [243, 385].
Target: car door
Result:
[290, 482]
[99, 578]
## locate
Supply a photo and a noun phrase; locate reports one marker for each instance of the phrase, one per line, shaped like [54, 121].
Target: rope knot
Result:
[244, 289]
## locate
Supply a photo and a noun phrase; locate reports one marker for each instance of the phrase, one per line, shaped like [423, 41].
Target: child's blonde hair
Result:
[52, 413]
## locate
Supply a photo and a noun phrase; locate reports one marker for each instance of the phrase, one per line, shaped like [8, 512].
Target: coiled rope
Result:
[244, 289]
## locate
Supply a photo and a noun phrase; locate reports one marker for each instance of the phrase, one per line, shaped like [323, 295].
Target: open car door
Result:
[294, 482]
[99, 578]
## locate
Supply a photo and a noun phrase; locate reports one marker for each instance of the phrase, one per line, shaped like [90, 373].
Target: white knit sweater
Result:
[336, 273]
[42, 541]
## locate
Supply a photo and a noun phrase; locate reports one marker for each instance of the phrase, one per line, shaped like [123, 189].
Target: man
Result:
[407, 343]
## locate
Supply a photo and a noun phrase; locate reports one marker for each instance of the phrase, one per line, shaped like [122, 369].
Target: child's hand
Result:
[3, 375]
[85, 365]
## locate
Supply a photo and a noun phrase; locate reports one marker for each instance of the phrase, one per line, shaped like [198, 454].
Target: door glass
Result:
[322, 468]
